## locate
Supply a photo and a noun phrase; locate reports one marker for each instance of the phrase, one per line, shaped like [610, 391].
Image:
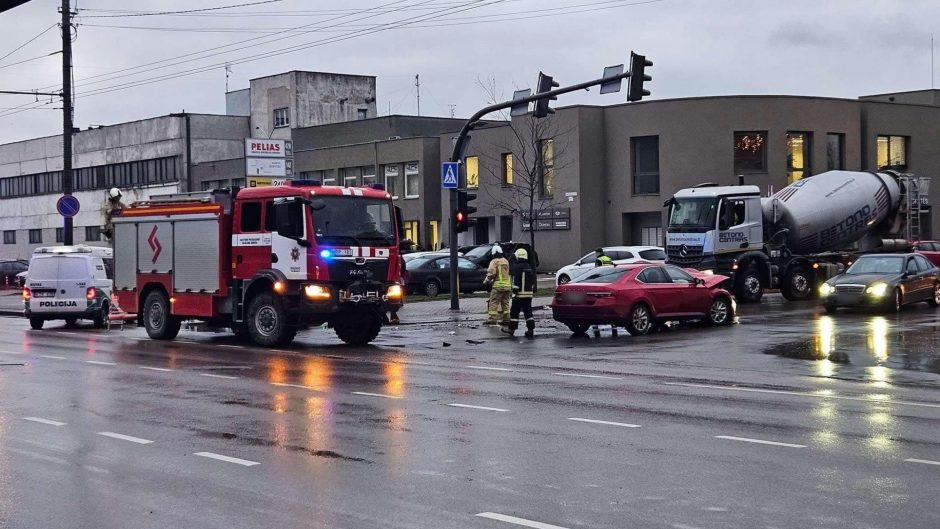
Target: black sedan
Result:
[9, 268]
[883, 281]
[430, 275]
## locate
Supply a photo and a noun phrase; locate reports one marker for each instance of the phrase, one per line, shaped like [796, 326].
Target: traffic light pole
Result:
[460, 145]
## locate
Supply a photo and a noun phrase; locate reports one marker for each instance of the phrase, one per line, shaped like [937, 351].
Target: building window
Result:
[835, 151]
[412, 181]
[750, 152]
[239, 182]
[281, 118]
[9, 237]
[393, 179]
[435, 234]
[651, 236]
[547, 166]
[329, 177]
[892, 152]
[645, 151]
[362, 113]
[507, 168]
[35, 236]
[60, 235]
[799, 147]
[92, 233]
[368, 175]
[473, 172]
[350, 176]
[411, 231]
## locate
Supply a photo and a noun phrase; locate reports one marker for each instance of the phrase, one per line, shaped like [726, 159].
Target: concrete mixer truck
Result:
[797, 238]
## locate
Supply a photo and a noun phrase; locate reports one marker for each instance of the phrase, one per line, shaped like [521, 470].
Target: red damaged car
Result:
[640, 296]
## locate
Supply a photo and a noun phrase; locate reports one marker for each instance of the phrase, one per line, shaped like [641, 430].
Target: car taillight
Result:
[599, 294]
[27, 294]
[91, 293]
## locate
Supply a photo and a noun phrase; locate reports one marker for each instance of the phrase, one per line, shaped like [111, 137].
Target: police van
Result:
[69, 283]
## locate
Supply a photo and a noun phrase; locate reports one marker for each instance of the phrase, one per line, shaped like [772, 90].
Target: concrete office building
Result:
[167, 154]
[608, 170]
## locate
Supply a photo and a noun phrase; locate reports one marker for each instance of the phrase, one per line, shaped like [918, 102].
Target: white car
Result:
[619, 254]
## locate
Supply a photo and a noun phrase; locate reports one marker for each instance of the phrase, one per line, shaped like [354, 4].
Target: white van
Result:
[69, 283]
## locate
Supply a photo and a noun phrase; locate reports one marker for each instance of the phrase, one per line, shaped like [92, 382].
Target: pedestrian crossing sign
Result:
[449, 172]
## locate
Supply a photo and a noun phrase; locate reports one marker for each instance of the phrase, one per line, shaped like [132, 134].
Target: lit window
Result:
[412, 181]
[798, 155]
[547, 150]
[892, 152]
[835, 151]
[281, 118]
[507, 168]
[473, 172]
[750, 153]
[411, 230]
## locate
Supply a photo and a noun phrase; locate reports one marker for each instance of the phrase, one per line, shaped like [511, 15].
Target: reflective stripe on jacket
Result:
[498, 274]
[523, 280]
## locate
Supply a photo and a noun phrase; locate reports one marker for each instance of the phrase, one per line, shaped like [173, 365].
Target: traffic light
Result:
[462, 216]
[545, 84]
[638, 64]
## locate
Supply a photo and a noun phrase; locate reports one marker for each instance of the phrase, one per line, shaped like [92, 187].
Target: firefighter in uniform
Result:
[602, 259]
[523, 288]
[113, 205]
[497, 276]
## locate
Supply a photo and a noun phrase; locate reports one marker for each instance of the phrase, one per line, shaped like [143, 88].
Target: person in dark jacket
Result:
[523, 288]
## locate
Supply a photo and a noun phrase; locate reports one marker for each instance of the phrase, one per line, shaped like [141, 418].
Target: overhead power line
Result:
[21, 46]
[252, 14]
[30, 59]
[187, 11]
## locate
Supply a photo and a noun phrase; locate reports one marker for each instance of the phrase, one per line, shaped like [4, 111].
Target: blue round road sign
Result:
[67, 206]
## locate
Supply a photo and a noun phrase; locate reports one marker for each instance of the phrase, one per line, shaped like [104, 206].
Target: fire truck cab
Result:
[264, 262]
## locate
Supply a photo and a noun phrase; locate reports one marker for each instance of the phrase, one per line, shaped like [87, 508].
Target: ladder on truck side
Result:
[914, 191]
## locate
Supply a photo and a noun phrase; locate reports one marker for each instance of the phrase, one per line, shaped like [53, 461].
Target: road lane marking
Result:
[284, 384]
[123, 437]
[802, 394]
[364, 393]
[52, 357]
[611, 423]
[227, 459]
[489, 368]
[758, 441]
[923, 461]
[471, 406]
[100, 363]
[66, 332]
[154, 368]
[12, 352]
[586, 376]
[40, 420]
[231, 346]
[217, 376]
[518, 521]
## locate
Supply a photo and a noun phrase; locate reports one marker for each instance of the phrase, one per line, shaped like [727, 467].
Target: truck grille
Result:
[850, 289]
[690, 256]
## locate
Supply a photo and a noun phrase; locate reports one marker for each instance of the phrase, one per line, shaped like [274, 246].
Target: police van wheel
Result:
[36, 323]
[101, 318]
[160, 324]
[267, 321]
[70, 322]
[358, 327]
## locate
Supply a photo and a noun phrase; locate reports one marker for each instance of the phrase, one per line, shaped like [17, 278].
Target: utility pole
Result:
[67, 111]
[228, 71]
[418, 91]
[453, 111]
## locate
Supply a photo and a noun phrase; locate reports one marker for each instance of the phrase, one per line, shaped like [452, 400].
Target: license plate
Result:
[574, 297]
[48, 294]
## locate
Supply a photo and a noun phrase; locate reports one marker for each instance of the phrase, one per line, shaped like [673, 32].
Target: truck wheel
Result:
[36, 323]
[160, 324]
[267, 321]
[358, 327]
[240, 330]
[640, 320]
[432, 288]
[101, 318]
[747, 287]
[719, 313]
[798, 284]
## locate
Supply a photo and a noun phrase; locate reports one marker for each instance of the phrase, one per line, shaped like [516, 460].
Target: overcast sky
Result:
[840, 48]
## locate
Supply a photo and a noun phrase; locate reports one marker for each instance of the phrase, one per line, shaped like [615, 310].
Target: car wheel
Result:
[101, 318]
[563, 279]
[640, 319]
[830, 309]
[158, 321]
[432, 288]
[578, 328]
[798, 284]
[935, 300]
[747, 287]
[36, 323]
[719, 313]
[897, 301]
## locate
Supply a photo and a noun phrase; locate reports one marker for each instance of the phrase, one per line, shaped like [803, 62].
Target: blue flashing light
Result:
[377, 186]
[326, 254]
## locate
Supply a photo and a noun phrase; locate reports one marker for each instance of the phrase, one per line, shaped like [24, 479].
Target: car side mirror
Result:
[699, 281]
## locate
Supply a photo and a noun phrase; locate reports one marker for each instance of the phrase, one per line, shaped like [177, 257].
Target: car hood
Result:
[862, 279]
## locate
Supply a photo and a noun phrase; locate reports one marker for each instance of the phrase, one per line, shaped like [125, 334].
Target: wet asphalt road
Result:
[789, 419]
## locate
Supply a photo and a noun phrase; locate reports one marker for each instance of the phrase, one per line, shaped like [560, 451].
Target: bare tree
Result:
[538, 148]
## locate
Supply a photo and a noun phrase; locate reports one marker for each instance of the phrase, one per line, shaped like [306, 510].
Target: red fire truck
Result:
[264, 262]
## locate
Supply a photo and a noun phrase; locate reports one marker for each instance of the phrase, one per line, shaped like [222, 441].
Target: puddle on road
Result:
[878, 345]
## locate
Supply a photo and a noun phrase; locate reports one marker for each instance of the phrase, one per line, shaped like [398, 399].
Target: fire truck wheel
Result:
[358, 327]
[240, 330]
[267, 321]
[160, 324]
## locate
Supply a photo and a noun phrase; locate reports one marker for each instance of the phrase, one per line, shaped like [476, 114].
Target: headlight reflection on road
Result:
[878, 338]
[318, 373]
[277, 370]
[825, 335]
[394, 379]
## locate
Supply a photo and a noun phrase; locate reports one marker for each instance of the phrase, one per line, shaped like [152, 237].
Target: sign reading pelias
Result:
[265, 148]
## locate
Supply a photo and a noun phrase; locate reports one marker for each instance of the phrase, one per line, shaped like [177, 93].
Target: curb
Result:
[16, 313]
